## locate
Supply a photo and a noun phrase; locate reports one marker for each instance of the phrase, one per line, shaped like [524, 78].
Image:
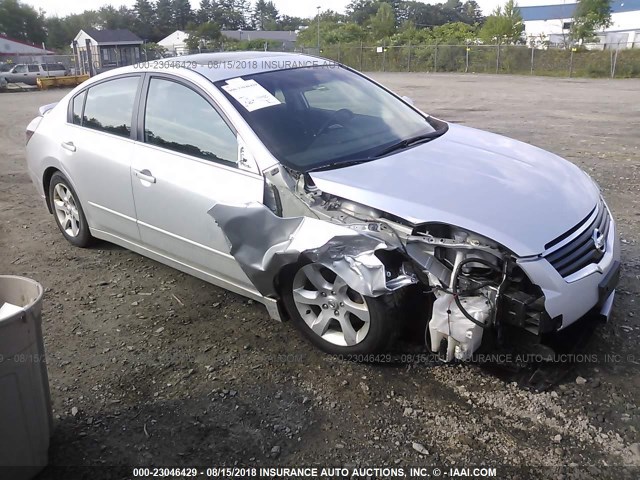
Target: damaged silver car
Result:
[305, 185]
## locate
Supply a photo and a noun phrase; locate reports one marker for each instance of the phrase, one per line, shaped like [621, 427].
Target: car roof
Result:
[226, 65]
[221, 66]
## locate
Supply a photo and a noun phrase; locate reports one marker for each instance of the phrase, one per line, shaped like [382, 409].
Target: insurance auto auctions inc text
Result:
[376, 472]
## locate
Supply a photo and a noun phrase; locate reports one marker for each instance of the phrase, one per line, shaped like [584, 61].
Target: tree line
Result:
[398, 22]
[391, 21]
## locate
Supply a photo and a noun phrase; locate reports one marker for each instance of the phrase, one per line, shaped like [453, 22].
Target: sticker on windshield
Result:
[250, 94]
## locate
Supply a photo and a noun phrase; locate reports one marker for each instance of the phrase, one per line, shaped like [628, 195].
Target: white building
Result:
[100, 50]
[551, 20]
[176, 43]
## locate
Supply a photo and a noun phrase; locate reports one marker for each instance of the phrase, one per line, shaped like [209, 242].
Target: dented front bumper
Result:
[572, 298]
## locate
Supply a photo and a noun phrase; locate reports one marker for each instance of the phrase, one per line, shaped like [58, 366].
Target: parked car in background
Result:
[305, 185]
[29, 74]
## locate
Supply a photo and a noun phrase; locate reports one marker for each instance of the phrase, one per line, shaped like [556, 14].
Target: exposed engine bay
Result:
[477, 292]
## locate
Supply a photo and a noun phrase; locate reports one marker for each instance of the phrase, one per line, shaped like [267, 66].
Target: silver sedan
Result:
[303, 184]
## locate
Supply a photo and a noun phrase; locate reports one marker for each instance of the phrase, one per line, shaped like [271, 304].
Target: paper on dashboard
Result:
[250, 94]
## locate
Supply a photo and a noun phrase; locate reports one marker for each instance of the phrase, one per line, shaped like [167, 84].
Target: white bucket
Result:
[25, 403]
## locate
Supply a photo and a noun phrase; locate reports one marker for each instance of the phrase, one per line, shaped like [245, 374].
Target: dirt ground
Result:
[149, 366]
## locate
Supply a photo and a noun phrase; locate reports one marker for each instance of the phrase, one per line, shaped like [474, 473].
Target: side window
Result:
[78, 103]
[179, 119]
[34, 68]
[20, 69]
[109, 106]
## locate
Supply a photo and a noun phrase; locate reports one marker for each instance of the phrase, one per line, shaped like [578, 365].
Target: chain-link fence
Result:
[614, 63]
[513, 59]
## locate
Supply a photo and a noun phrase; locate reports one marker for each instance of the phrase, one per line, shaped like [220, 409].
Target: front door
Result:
[186, 163]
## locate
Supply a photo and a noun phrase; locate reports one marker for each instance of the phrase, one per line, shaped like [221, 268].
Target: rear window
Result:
[34, 68]
[109, 106]
[52, 66]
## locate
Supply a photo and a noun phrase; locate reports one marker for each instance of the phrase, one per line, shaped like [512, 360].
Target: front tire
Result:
[336, 318]
[68, 212]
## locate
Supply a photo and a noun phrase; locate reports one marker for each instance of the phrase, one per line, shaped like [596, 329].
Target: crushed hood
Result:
[511, 192]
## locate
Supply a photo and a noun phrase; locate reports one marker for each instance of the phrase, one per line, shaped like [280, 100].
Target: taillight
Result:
[31, 128]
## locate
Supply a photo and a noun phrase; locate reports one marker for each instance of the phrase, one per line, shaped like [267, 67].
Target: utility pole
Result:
[318, 29]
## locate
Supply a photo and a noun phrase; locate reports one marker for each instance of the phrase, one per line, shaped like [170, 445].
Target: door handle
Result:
[69, 146]
[145, 175]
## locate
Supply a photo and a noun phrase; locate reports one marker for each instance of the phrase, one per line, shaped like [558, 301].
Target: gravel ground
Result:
[149, 366]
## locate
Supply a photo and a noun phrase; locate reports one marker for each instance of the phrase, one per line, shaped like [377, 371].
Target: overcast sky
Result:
[297, 8]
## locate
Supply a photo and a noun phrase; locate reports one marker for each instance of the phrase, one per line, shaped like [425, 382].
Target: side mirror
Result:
[409, 100]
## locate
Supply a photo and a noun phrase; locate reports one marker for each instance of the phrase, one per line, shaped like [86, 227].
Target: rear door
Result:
[96, 147]
[186, 161]
[33, 74]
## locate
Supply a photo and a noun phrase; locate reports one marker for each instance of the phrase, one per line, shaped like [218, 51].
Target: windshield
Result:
[316, 117]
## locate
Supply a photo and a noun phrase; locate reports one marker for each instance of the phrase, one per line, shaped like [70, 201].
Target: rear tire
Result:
[336, 318]
[68, 212]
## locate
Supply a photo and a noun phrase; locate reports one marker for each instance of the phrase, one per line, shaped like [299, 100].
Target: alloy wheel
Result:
[66, 210]
[330, 308]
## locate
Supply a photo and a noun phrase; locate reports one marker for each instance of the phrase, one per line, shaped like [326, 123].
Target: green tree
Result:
[58, 37]
[231, 14]
[361, 11]
[471, 13]
[333, 30]
[383, 23]
[153, 51]
[345, 33]
[145, 19]
[455, 33]
[291, 23]
[182, 13]
[205, 12]
[203, 35]
[111, 18]
[504, 25]
[590, 16]
[264, 16]
[164, 19]
[424, 15]
[22, 22]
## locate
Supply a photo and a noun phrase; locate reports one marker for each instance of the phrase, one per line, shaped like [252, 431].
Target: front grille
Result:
[581, 251]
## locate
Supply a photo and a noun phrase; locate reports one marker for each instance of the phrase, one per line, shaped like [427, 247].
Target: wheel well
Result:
[46, 180]
[287, 270]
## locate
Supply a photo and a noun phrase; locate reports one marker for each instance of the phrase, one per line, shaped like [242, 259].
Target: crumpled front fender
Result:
[263, 243]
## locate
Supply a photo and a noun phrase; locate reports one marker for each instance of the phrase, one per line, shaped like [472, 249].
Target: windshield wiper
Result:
[331, 166]
[408, 142]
